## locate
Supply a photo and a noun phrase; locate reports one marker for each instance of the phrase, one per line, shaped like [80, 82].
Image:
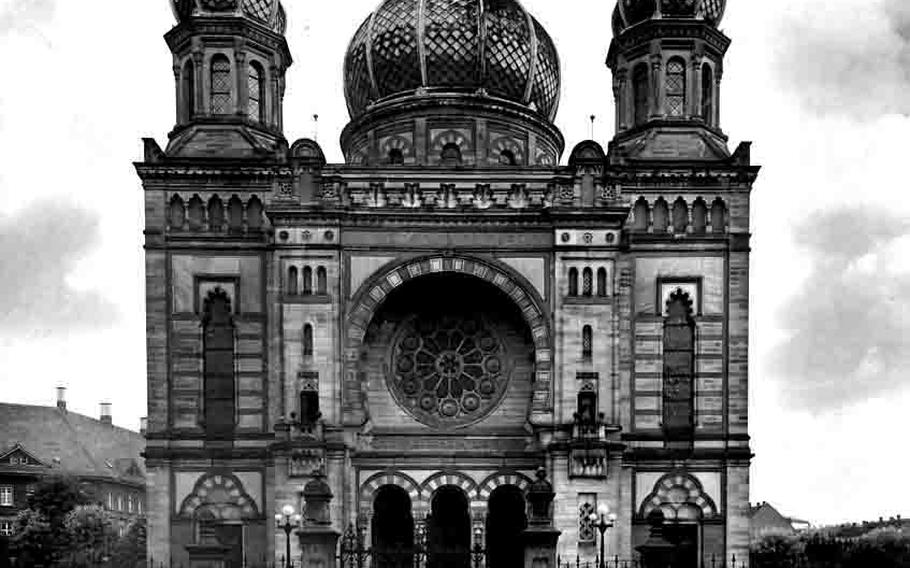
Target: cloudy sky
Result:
[820, 86]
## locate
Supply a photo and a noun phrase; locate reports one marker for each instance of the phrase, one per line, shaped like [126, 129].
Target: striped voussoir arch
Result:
[459, 480]
[499, 479]
[369, 487]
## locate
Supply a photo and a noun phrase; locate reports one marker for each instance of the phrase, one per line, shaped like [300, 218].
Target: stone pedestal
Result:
[318, 545]
[540, 546]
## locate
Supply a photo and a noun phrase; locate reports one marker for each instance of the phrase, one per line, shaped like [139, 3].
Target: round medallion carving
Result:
[448, 371]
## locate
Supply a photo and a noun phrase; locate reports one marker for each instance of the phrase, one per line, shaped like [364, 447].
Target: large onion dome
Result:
[267, 12]
[424, 47]
[631, 12]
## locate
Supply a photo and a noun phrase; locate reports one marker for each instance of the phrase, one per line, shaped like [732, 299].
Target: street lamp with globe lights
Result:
[602, 520]
[287, 520]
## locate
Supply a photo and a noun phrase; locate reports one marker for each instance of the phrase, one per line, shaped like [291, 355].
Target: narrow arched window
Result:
[396, 157]
[307, 281]
[451, 154]
[587, 282]
[292, 281]
[188, 90]
[707, 94]
[220, 85]
[680, 215]
[641, 214]
[176, 215]
[675, 95]
[699, 216]
[255, 86]
[307, 340]
[235, 214]
[216, 214]
[679, 367]
[507, 158]
[218, 365]
[322, 281]
[587, 343]
[718, 216]
[661, 215]
[640, 93]
[254, 214]
[602, 282]
[196, 211]
[573, 282]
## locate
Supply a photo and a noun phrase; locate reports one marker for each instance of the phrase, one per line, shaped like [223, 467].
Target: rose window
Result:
[448, 371]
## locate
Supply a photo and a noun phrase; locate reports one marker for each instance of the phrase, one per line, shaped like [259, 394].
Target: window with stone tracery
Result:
[587, 506]
[256, 92]
[218, 365]
[220, 85]
[587, 343]
[675, 95]
[587, 278]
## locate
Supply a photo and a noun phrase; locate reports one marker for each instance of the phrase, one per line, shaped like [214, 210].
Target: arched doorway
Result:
[449, 529]
[392, 528]
[506, 520]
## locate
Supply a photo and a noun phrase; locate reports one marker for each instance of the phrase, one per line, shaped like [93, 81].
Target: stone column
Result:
[318, 540]
[541, 537]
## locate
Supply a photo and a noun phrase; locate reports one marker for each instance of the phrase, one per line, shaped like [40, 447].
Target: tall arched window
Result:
[235, 214]
[255, 86]
[587, 343]
[176, 215]
[292, 281]
[675, 95]
[602, 282]
[679, 367]
[642, 214]
[307, 340]
[216, 214]
[587, 282]
[196, 211]
[640, 93]
[707, 94]
[188, 90]
[680, 215]
[661, 216]
[573, 281]
[254, 214]
[220, 85]
[718, 216]
[218, 365]
[699, 216]
[307, 281]
[322, 281]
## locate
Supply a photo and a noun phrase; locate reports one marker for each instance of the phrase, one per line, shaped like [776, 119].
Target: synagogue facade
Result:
[460, 302]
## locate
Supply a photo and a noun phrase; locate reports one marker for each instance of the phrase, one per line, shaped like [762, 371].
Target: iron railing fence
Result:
[713, 561]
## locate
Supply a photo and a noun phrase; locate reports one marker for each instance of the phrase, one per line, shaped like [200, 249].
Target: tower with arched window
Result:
[413, 329]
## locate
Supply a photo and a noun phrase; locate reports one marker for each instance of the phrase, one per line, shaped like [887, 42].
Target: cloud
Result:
[850, 59]
[849, 323]
[24, 14]
[40, 247]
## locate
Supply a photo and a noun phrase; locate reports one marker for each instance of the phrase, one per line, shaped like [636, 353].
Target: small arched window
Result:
[216, 214]
[641, 215]
[307, 340]
[587, 343]
[220, 85]
[661, 216]
[254, 214]
[451, 154]
[396, 157]
[255, 86]
[680, 215]
[196, 211]
[235, 214]
[718, 216]
[699, 216]
[707, 94]
[507, 158]
[675, 95]
[573, 282]
[640, 93]
[587, 282]
[176, 216]
[293, 286]
[322, 281]
[307, 281]
[602, 282]
[188, 90]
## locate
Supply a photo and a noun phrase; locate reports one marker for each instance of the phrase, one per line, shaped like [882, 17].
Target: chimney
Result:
[143, 425]
[61, 398]
[106, 413]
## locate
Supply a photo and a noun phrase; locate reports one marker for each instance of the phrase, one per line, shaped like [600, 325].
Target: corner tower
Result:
[230, 59]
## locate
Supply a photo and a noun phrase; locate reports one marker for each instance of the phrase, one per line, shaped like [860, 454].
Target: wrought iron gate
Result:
[353, 553]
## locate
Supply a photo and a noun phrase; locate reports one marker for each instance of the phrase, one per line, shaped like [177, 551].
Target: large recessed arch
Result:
[371, 295]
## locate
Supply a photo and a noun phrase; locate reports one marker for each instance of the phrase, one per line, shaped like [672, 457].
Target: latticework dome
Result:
[267, 12]
[409, 47]
[631, 12]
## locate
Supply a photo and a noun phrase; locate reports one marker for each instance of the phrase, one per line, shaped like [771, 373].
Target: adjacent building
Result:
[39, 441]
[457, 303]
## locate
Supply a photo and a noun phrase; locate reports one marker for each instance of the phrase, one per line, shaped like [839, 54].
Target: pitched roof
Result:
[72, 442]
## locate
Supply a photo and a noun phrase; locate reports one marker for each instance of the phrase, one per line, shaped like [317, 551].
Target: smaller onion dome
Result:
[267, 12]
[631, 12]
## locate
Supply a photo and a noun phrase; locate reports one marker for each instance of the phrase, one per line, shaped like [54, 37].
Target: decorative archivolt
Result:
[500, 478]
[369, 487]
[219, 496]
[680, 497]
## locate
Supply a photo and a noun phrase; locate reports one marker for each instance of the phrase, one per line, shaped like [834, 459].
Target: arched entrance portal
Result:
[449, 530]
[392, 528]
[506, 520]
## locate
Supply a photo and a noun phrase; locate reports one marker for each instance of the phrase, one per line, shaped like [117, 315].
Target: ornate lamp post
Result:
[287, 520]
[602, 520]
